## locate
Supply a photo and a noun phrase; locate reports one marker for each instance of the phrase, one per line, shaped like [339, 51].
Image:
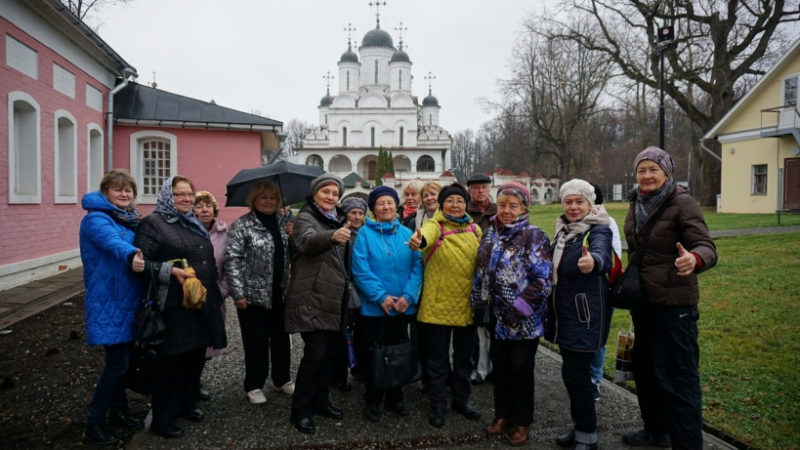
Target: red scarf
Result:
[408, 210]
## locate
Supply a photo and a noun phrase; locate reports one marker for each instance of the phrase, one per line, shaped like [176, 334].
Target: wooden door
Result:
[791, 184]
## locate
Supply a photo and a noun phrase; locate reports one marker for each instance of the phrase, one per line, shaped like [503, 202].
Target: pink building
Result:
[60, 83]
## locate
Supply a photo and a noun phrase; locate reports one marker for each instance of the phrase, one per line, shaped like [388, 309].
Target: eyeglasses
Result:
[184, 195]
[455, 201]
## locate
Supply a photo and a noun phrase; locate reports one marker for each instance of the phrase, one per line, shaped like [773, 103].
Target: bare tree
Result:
[82, 7]
[719, 47]
[464, 154]
[296, 130]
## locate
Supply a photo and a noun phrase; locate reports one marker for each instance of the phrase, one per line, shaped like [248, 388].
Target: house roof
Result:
[142, 105]
[351, 179]
[791, 54]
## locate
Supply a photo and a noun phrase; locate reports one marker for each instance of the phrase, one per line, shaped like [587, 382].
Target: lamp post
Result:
[663, 40]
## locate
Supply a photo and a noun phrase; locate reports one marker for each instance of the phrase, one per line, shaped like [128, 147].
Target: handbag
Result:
[483, 316]
[142, 370]
[352, 299]
[395, 366]
[150, 320]
[626, 292]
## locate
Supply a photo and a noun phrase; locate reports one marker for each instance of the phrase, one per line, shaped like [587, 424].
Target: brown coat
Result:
[682, 221]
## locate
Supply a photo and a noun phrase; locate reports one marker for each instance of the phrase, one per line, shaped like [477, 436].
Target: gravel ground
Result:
[47, 373]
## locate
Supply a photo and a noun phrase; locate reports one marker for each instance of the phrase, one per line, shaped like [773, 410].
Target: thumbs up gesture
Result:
[137, 265]
[685, 262]
[341, 235]
[415, 240]
[585, 262]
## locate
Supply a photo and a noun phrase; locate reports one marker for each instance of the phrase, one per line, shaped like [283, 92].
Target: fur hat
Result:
[659, 157]
[576, 186]
[453, 189]
[351, 203]
[380, 191]
[326, 178]
[516, 189]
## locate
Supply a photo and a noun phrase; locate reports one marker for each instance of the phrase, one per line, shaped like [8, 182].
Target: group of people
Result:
[351, 276]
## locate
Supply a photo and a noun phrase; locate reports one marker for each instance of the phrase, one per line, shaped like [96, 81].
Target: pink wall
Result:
[36, 230]
[210, 158]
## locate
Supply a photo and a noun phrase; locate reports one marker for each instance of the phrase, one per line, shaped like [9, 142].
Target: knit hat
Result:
[515, 189]
[326, 178]
[576, 186]
[453, 189]
[659, 157]
[380, 191]
[351, 203]
[478, 177]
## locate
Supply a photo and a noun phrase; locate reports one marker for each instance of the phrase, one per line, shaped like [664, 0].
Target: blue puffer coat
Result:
[113, 290]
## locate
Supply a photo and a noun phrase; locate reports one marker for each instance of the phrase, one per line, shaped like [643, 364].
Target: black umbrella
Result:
[294, 181]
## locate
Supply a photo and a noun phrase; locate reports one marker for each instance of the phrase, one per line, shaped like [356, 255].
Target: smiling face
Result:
[204, 212]
[266, 202]
[412, 197]
[454, 205]
[509, 208]
[120, 196]
[430, 199]
[576, 207]
[327, 196]
[183, 196]
[385, 209]
[650, 176]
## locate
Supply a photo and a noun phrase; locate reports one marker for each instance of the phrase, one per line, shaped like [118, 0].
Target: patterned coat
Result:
[249, 260]
[447, 281]
[513, 274]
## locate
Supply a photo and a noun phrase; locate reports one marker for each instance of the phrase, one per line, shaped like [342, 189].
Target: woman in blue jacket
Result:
[580, 312]
[388, 276]
[112, 296]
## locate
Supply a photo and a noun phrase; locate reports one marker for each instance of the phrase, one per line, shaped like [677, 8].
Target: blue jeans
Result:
[597, 364]
[110, 390]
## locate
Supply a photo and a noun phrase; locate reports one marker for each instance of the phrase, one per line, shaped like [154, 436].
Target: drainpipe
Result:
[708, 150]
[127, 74]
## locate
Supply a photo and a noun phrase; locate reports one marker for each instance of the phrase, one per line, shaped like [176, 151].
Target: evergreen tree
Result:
[381, 168]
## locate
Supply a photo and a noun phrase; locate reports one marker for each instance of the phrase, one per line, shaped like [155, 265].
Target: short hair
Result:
[431, 185]
[118, 178]
[259, 187]
[207, 197]
[179, 178]
[415, 185]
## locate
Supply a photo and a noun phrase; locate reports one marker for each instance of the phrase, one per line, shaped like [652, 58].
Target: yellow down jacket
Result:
[449, 270]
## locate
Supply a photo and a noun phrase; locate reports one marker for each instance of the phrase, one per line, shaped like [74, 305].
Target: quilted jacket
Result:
[249, 260]
[113, 291]
[448, 273]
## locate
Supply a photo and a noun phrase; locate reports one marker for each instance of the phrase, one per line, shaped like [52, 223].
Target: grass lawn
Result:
[749, 329]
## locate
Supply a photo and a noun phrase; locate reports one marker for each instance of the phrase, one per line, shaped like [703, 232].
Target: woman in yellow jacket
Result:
[449, 243]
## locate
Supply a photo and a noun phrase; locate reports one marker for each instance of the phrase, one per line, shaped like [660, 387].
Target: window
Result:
[401, 136]
[376, 71]
[314, 160]
[24, 149]
[759, 186]
[63, 81]
[65, 158]
[348, 81]
[400, 79]
[94, 158]
[344, 136]
[425, 164]
[372, 137]
[154, 158]
[22, 57]
[790, 91]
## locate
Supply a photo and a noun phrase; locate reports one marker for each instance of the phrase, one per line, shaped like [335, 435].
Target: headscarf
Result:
[646, 204]
[165, 205]
[567, 231]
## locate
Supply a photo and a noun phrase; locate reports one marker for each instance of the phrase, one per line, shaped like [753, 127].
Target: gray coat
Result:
[314, 298]
[250, 257]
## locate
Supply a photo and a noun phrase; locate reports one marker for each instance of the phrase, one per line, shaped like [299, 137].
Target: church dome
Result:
[377, 38]
[400, 56]
[348, 56]
[430, 100]
[326, 101]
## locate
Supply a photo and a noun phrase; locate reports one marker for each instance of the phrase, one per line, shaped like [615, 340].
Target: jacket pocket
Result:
[582, 312]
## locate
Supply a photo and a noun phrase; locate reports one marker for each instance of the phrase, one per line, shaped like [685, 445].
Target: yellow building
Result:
[760, 140]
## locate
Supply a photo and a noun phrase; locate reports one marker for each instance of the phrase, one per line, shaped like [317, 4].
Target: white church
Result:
[373, 108]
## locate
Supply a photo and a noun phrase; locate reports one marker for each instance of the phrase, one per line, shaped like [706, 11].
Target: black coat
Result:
[161, 241]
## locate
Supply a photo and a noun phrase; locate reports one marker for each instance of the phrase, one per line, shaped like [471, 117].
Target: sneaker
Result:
[596, 389]
[287, 388]
[257, 396]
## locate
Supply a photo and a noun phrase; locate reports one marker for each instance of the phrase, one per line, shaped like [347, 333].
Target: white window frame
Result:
[89, 166]
[13, 197]
[136, 159]
[60, 159]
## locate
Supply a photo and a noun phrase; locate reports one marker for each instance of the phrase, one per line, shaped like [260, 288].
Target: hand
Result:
[138, 261]
[341, 235]
[387, 304]
[585, 262]
[415, 240]
[685, 262]
[181, 274]
[400, 304]
[240, 303]
[289, 228]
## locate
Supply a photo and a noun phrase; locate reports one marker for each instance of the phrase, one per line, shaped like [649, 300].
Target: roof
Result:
[400, 56]
[377, 38]
[430, 100]
[791, 54]
[139, 104]
[348, 56]
[351, 179]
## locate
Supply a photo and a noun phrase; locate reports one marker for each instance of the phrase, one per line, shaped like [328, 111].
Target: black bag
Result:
[142, 370]
[483, 316]
[353, 299]
[626, 291]
[395, 365]
[149, 320]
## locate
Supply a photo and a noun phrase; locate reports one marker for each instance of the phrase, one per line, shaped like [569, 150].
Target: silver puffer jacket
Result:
[250, 257]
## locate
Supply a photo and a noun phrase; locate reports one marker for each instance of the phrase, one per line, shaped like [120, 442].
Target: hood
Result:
[96, 201]
[383, 227]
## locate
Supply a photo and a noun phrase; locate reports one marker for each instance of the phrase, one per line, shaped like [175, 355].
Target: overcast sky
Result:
[269, 56]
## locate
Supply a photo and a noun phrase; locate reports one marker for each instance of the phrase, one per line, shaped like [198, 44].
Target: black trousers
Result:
[340, 361]
[262, 332]
[314, 374]
[438, 362]
[513, 363]
[175, 386]
[576, 373]
[666, 356]
[382, 331]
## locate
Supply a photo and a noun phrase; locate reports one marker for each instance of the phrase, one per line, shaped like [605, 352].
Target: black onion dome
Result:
[400, 56]
[326, 101]
[377, 38]
[430, 100]
[349, 56]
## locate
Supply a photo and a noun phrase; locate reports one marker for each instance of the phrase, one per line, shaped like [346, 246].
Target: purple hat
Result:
[351, 203]
[379, 192]
[515, 189]
[658, 156]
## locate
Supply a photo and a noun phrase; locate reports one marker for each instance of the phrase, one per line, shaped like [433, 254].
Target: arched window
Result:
[154, 158]
[314, 160]
[372, 167]
[94, 157]
[24, 149]
[401, 136]
[372, 137]
[399, 79]
[344, 136]
[426, 164]
[65, 158]
[376, 71]
[348, 81]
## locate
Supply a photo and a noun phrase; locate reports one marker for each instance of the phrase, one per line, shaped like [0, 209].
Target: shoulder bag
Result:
[395, 365]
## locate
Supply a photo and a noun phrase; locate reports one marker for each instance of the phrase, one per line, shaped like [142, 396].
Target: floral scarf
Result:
[165, 205]
[567, 231]
[329, 214]
[129, 218]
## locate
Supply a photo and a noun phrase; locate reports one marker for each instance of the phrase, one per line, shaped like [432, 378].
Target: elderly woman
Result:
[513, 278]
[430, 203]
[666, 321]
[170, 233]
[257, 268]
[388, 276]
[112, 297]
[412, 198]
[449, 243]
[315, 300]
[580, 312]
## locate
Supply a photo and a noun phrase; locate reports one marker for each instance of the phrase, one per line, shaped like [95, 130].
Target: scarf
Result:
[567, 231]
[329, 214]
[422, 216]
[165, 205]
[408, 210]
[646, 204]
[461, 220]
[129, 218]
